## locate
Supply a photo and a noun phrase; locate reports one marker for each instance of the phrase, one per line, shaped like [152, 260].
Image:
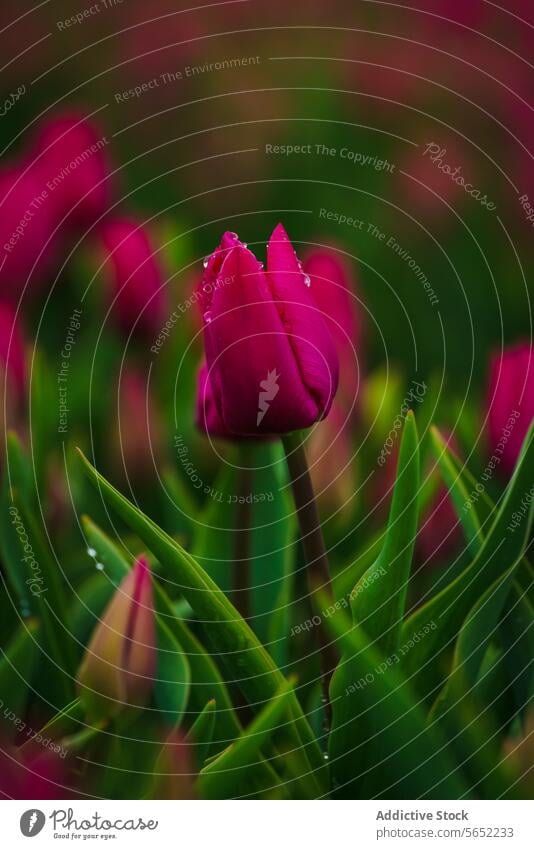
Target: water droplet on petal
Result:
[207, 317]
[307, 280]
[205, 261]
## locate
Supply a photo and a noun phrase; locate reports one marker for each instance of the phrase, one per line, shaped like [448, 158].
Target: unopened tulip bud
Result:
[271, 359]
[71, 155]
[332, 463]
[26, 232]
[137, 437]
[510, 403]
[133, 276]
[120, 661]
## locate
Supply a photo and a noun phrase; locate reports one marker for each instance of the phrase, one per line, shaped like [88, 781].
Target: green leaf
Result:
[17, 664]
[228, 775]
[272, 529]
[474, 508]
[503, 547]
[466, 721]
[379, 598]
[458, 491]
[171, 690]
[67, 721]
[206, 681]
[200, 735]
[381, 744]
[236, 644]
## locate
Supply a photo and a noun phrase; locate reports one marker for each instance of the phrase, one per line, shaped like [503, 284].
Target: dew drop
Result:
[91, 552]
[207, 317]
[307, 280]
[205, 261]
[100, 567]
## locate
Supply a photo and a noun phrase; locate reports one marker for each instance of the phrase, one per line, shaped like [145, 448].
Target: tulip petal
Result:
[250, 355]
[308, 334]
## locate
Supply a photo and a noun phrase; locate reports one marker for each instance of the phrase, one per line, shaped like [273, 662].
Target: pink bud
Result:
[137, 442]
[120, 660]
[333, 291]
[440, 531]
[332, 463]
[510, 402]
[134, 277]
[26, 227]
[12, 354]
[71, 154]
[33, 775]
[271, 359]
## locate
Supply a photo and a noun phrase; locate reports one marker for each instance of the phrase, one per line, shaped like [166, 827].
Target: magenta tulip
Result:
[26, 227]
[137, 439]
[333, 291]
[272, 362]
[71, 155]
[510, 402]
[207, 418]
[440, 534]
[133, 276]
[120, 661]
[12, 354]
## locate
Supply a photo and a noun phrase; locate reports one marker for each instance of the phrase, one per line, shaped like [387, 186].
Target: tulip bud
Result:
[333, 292]
[272, 362]
[39, 774]
[12, 369]
[510, 402]
[120, 660]
[137, 439]
[70, 153]
[26, 228]
[332, 463]
[133, 276]
[440, 532]
[12, 355]
[173, 773]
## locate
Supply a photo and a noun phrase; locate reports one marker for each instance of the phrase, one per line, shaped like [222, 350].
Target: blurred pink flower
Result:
[271, 359]
[173, 771]
[133, 276]
[440, 532]
[120, 661]
[137, 442]
[510, 402]
[334, 291]
[32, 776]
[26, 227]
[332, 463]
[71, 155]
[12, 353]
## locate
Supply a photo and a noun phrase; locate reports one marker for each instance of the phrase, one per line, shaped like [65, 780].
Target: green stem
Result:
[241, 566]
[318, 570]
